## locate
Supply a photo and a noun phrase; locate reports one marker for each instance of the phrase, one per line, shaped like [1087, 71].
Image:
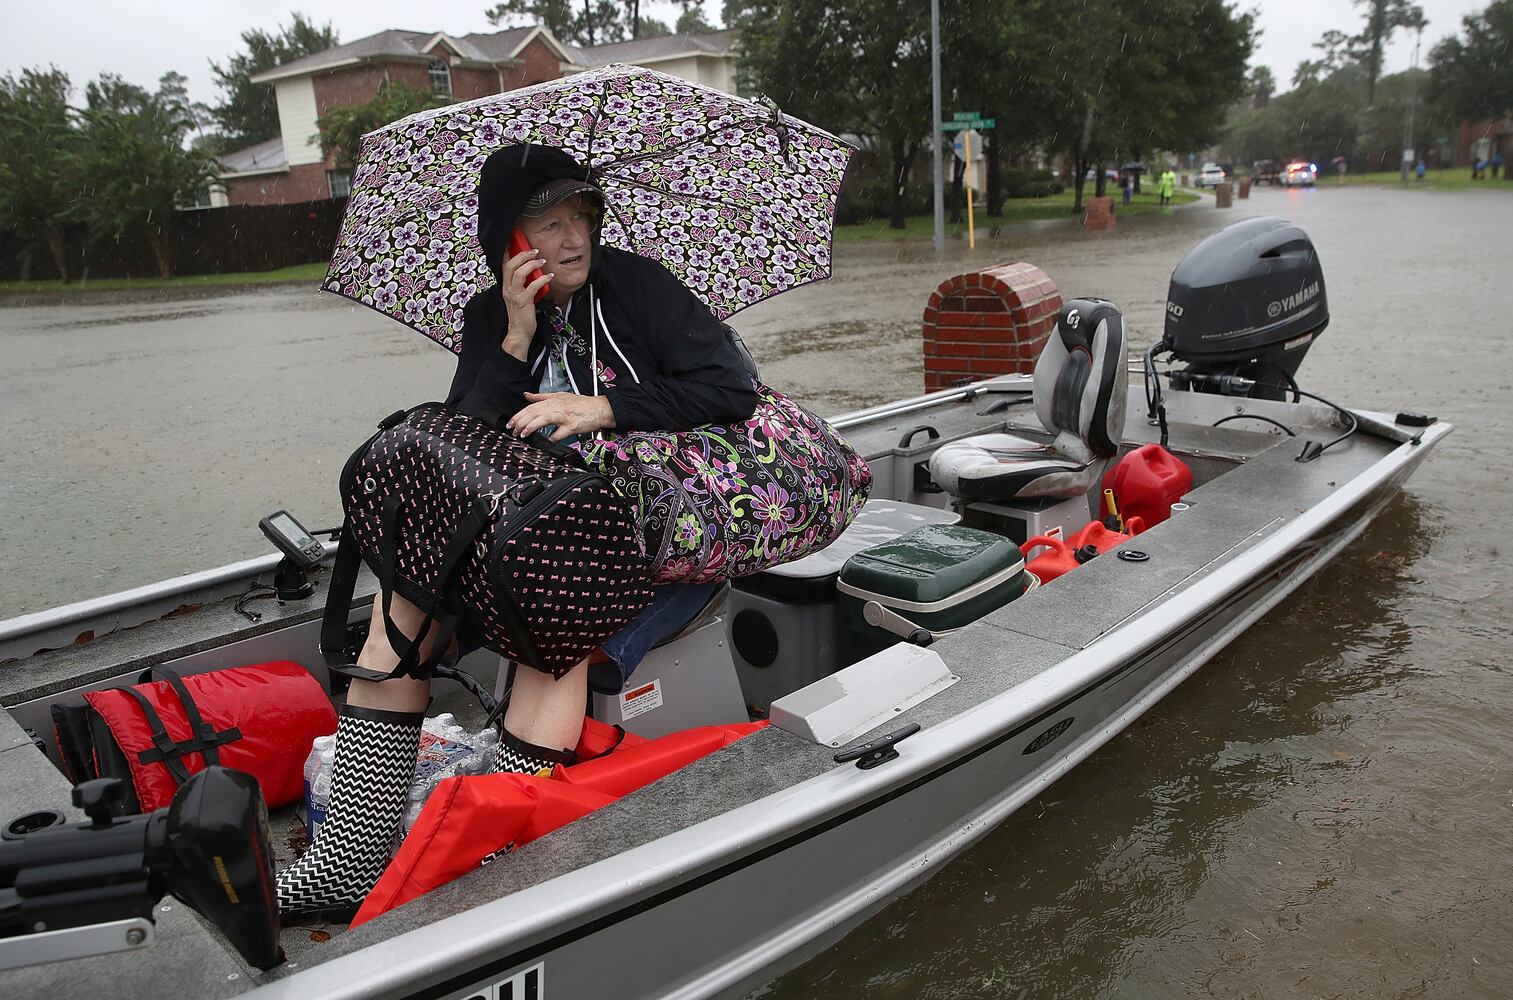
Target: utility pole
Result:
[1412, 105]
[940, 170]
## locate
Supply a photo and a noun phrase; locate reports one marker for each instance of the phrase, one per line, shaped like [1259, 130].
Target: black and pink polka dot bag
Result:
[520, 548]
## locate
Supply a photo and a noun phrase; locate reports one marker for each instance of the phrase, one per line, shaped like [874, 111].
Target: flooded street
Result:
[1325, 810]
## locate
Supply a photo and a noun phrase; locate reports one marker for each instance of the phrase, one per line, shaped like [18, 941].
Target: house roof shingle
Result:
[497, 46]
[714, 43]
[264, 157]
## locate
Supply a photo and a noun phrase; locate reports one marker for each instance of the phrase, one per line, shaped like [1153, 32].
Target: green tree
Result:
[1383, 17]
[39, 160]
[1469, 73]
[865, 71]
[1259, 86]
[138, 168]
[248, 112]
[693, 22]
[1152, 75]
[341, 129]
[593, 22]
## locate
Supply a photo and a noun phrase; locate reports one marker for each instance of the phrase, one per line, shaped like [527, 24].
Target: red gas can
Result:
[1048, 565]
[1093, 539]
[1146, 483]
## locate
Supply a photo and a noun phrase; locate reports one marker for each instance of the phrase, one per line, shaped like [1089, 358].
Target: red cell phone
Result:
[518, 245]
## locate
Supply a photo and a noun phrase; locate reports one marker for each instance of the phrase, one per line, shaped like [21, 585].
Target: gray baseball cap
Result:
[548, 195]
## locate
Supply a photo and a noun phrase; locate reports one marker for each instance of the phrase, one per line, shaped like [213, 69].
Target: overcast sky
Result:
[141, 40]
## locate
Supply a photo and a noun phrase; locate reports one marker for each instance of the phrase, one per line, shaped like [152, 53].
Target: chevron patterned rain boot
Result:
[521, 757]
[370, 778]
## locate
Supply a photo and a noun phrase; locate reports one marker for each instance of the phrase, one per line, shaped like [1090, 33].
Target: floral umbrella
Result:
[734, 197]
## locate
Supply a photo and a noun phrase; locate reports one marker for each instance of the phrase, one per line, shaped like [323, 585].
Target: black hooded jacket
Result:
[674, 366]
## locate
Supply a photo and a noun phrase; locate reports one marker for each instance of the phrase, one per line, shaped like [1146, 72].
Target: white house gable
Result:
[296, 120]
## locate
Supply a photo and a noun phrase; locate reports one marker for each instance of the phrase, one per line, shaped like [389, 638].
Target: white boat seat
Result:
[1080, 394]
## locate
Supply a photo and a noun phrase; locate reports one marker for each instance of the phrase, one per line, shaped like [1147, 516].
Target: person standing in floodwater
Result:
[1167, 185]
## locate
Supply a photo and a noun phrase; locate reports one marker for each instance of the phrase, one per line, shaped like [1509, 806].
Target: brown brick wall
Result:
[471, 84]
[536, 64]
[986, 323]
[351, 85]
[306, 182]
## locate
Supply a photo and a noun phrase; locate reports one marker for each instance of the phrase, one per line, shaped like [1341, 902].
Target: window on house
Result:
[441, 78]
[340, 181]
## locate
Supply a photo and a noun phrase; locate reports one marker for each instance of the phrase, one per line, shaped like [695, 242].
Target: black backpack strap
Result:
[445, 608]
[205, 741]
[333, 626]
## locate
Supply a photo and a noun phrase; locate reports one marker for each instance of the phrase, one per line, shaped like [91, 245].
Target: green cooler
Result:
[939, 577]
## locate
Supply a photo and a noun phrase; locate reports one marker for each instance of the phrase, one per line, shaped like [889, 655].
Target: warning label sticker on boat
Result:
[641, 699]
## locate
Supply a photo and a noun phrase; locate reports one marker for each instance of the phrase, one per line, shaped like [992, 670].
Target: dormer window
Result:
[441, 78]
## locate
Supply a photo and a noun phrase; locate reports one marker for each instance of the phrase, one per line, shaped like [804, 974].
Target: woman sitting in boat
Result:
[526, 366]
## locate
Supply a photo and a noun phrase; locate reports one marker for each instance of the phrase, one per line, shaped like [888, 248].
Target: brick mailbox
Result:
[986, 323]
[1098, 213]
[1224, 195]
[1244, 191]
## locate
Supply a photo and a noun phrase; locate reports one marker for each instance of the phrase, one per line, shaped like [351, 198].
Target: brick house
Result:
[291, 167]
[1483, 140]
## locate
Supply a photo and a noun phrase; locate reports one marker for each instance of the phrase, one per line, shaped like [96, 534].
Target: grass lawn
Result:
[1014, 210]
[312, 273]
[1453, 179]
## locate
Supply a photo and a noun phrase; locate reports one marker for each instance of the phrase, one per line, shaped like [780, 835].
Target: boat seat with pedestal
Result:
[1080, 390]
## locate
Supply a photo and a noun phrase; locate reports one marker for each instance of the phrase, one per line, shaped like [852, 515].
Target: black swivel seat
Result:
[1080, 390]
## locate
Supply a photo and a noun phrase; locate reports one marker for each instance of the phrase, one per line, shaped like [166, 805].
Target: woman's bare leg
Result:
[401, 694]
[547, 712]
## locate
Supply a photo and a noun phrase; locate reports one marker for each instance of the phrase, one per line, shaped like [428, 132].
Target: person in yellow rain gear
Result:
[1167, 185]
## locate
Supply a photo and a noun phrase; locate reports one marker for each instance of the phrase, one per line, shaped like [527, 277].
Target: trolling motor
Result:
[73, 890]
[1243, 308]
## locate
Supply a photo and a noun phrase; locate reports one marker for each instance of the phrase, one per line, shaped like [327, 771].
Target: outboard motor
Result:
[1244, 307]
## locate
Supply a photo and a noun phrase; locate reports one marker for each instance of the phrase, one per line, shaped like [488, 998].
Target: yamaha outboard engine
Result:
[1244, 307]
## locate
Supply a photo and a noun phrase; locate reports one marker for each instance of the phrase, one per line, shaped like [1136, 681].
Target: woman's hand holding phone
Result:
[524, 284]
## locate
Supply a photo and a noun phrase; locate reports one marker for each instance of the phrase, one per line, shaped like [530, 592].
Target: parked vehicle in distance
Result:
[1212, 175]
[1300, 174]
[1265, 172]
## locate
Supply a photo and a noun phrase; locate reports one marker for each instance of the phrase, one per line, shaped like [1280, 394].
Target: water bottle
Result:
[312, 765]
[443, 745]
[415, 802]
[320, 794]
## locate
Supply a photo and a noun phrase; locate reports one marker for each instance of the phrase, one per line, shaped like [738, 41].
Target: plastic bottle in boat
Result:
[320, 794]
[312, 765]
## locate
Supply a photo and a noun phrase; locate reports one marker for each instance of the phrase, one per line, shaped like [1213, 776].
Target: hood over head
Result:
[510, 176]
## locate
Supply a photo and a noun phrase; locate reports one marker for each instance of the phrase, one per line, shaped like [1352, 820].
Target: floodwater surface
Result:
[1325, 810]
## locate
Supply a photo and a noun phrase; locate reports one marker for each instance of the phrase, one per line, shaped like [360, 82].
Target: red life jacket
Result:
[472, 818]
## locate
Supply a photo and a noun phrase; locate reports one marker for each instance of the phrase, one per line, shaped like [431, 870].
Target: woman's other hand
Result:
[572, 413]
[519, 293]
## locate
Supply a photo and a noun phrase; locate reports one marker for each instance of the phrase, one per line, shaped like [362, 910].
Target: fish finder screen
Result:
[290, 529]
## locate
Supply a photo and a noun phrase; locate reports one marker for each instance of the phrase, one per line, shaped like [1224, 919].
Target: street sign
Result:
[965, 116]
[959, 126]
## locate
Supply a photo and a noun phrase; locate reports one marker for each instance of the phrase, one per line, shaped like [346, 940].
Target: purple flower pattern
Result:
[724, 501]
[684, 168]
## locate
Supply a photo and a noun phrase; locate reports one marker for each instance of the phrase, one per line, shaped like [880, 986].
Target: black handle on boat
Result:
[904, 441]
[878, 751]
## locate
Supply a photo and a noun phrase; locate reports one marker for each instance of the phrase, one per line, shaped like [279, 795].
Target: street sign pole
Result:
[965, 122]
[966, 138]
[940, 170]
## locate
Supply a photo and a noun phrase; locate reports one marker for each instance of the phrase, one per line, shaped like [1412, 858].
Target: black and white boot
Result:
[370, 780]
[527, 758]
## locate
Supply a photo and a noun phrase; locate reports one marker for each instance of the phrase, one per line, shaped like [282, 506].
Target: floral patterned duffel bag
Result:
[725, 501]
